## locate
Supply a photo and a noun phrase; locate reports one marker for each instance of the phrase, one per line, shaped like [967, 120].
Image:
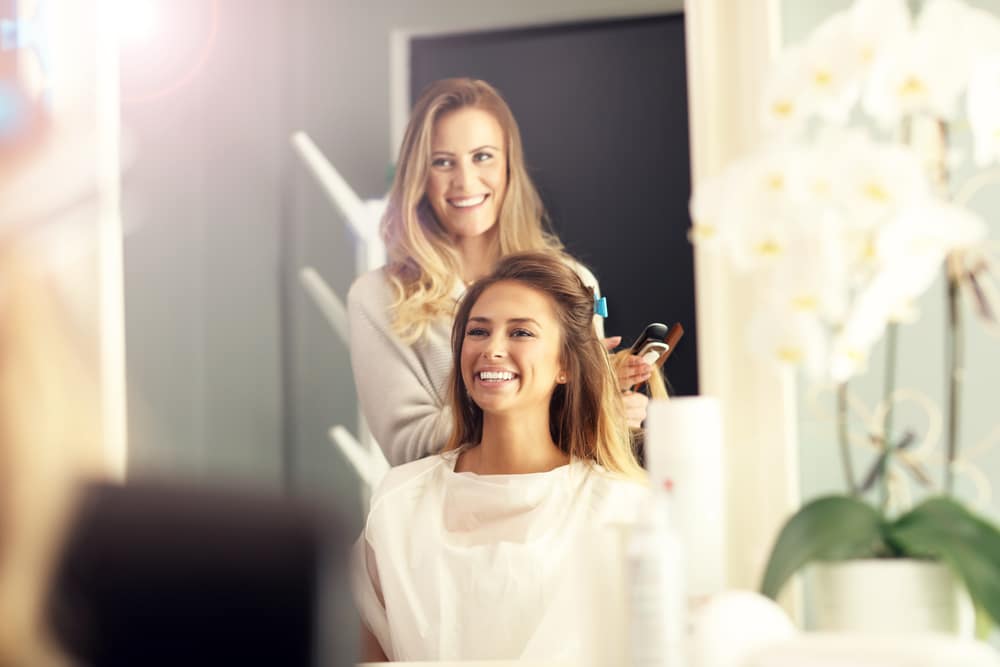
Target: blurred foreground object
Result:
[161, 574]
[48, 440]
[839, 649]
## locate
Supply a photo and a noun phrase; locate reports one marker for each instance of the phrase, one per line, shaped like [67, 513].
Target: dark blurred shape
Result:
[157, 574]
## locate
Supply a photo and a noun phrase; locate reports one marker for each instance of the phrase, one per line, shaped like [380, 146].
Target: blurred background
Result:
[178, 216]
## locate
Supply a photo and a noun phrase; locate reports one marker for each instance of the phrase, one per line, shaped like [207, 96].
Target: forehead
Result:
[468, 125]
[509, 299]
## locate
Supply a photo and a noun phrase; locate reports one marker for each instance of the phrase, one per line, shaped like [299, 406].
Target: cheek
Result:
[432, 187]
[467, 358]
[499, 180]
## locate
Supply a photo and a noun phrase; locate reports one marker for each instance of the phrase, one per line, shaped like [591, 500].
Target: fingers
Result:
[632, 371]
[635, 408]
[612, 342]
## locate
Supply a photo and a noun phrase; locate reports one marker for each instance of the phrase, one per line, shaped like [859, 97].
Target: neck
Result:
[477, 255]
[515, 444]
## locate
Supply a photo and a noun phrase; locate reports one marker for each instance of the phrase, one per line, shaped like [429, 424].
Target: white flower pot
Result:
[890, 595]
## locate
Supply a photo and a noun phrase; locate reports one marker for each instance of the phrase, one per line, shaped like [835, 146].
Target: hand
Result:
[635, 408]
[632, 371]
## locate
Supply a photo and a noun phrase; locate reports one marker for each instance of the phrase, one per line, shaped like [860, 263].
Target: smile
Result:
[495, 376]
[468, 202]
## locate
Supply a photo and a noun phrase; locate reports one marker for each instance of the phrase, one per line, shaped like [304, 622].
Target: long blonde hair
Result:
[422, 262]
[586, 418]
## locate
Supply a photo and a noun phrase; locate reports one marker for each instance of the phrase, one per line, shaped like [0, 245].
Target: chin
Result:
[493, 406]
[472, 228]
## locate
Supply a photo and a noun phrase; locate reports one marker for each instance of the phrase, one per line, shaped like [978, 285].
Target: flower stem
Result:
[845, 445]
[955, 359]
[891, 350]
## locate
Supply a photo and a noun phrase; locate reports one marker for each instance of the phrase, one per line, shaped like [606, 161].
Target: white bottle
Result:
[657, 600]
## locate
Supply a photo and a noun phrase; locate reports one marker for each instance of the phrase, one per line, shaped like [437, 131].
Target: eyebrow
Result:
[513, 320]
[474, 150]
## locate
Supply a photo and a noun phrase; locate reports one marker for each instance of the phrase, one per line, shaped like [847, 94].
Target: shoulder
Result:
[613, 497]
[370, 299]
[401, 481]
[369, 287]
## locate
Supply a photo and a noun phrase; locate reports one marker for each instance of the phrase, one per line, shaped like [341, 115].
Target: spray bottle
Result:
[657, 601]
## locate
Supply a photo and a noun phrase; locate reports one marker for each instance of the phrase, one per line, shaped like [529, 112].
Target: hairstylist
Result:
[461, 199]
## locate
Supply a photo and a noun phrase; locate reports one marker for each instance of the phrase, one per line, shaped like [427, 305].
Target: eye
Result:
[441, 162]
[482, 156]
[476, 332]
[522, 333]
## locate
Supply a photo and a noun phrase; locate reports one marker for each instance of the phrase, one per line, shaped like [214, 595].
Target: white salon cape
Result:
[460, 566]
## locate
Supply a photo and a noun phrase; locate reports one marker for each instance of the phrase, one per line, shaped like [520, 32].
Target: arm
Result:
[371, 650]
[369, 602]
[405, 412]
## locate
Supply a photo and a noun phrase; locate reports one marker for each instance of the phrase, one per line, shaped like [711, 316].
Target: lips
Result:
[494, 376]
[467, 202]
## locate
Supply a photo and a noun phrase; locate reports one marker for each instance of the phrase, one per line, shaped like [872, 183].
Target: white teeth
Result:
[471, 201]
[496, 375]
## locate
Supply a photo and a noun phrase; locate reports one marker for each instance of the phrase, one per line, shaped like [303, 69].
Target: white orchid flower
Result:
[813, 277]
[833, 73]
[873, 24]
[766, 195]
[876, 180]
[967, 33]
[784, 105]
[846, 359]
[914, 246]
[983, 110]
[706, 206]
[912, 249]
[870, 313]
[841, 234]
[788, 337]
[919, 72]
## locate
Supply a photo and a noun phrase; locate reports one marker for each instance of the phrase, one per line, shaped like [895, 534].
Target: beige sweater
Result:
[402, 388]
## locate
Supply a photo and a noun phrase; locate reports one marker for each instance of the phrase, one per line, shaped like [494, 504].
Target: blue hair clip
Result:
[601, 306]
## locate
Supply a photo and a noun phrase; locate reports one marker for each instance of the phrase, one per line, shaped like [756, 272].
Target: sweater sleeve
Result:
[406, 415]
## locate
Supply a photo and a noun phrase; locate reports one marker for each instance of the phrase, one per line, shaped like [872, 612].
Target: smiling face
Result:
[467, 179]
[511, 350]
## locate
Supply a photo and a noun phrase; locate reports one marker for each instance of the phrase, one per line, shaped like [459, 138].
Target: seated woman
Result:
[469, 554]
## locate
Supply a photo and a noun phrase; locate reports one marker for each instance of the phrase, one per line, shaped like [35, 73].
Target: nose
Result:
[494, 349]
[461, 175]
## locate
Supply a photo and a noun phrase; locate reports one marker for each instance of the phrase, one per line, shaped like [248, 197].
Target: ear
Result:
[561, 378]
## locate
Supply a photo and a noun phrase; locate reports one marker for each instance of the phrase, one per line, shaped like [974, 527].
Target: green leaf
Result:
[983, 624]
[828, 528]
[944, 529]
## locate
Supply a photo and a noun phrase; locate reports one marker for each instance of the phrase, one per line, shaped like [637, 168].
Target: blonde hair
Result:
[586, 416]
[48, 439]
[422, 262]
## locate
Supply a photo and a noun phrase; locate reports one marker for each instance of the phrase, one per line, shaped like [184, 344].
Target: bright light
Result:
[136, 20]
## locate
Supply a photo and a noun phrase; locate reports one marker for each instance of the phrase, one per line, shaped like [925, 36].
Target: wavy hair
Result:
[422, 262]
[586, 417]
